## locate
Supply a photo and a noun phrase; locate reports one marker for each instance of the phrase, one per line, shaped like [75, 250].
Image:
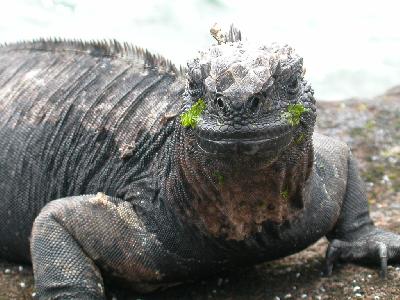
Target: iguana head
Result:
[247, 99]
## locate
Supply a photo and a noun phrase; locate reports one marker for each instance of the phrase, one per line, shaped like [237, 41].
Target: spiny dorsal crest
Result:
[240, 69]
[234, 34]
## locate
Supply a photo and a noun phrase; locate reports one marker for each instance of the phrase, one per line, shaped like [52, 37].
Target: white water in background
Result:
[350, 48]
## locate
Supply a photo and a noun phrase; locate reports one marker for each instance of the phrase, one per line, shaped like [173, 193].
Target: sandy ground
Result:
[372, 129]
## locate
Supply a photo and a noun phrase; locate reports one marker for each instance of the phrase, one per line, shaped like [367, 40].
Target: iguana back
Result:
[76, 118]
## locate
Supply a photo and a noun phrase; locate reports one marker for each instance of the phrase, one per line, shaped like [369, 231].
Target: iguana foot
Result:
[377, 245]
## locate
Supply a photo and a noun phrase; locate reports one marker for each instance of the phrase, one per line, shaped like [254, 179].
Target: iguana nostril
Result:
[219, 102]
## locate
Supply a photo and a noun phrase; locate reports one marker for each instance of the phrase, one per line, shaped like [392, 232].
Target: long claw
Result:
[383, 256]
[377, 245]
[331, 257]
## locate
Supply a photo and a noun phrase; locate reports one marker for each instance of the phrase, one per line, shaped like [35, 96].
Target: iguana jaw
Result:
[271, 143]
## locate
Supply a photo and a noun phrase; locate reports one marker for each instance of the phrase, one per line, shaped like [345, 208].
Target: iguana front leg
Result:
[355, 238]
[75, 239]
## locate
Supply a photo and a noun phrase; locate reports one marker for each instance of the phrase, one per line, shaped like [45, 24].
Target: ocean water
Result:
[350, 48]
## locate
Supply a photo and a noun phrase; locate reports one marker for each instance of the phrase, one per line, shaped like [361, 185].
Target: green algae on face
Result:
[220, 178]
[293, 113]
[285, 194]
[299, 139]
[191, 117]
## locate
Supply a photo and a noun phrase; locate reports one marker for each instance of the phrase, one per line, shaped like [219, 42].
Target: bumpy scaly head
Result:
[256, 100]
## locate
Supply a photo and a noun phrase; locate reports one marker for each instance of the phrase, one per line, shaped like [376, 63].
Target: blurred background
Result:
[350, 48]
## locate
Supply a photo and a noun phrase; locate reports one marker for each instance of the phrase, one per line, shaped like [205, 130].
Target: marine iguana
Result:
[114, 164]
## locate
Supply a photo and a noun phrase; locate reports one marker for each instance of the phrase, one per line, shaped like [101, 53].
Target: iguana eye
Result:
[219, 101]
[293, 85]
[254, 102]
[193, 89]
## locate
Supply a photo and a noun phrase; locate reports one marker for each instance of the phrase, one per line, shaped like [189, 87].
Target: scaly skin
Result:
[96, 167]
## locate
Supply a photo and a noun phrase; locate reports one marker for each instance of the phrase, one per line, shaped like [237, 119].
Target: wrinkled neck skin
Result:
[233, 196]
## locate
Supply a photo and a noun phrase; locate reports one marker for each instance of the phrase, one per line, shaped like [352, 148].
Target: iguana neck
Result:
[232, 197]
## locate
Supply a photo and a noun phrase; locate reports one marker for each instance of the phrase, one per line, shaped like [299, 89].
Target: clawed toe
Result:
[356, 251]
[331, 257]
[383, 256]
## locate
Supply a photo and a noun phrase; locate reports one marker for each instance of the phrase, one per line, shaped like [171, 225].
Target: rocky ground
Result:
[372, 129]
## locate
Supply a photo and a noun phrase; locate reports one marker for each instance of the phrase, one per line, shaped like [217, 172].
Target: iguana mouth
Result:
[267, 142]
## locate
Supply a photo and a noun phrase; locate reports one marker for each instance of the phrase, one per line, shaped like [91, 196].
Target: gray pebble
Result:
[220, 281]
